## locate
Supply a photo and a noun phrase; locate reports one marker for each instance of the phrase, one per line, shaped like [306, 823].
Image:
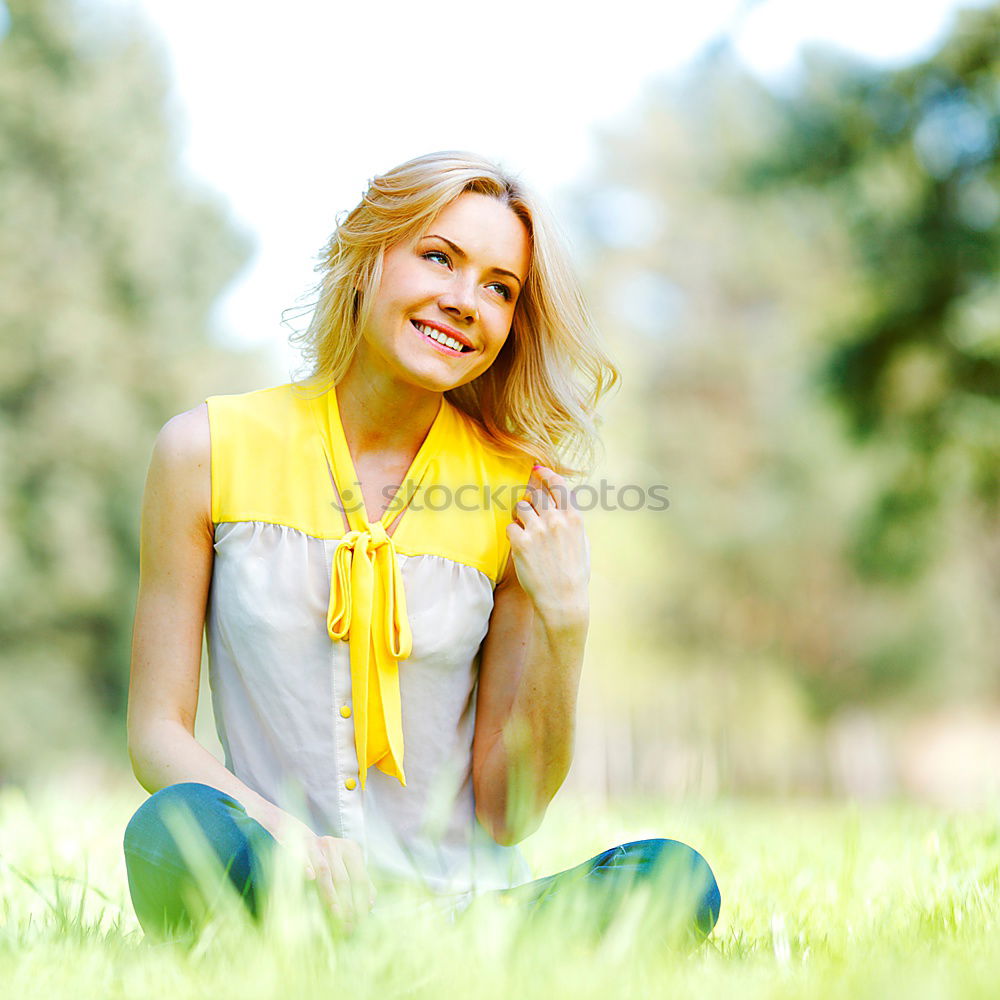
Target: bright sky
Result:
[289, 108]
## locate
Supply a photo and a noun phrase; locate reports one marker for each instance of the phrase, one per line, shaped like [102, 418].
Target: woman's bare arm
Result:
[177, 549]
[532, 656]
[175, 570]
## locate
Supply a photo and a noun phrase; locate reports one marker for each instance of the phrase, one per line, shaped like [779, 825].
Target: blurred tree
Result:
[112, 259]
[911, 159]
[717, 301]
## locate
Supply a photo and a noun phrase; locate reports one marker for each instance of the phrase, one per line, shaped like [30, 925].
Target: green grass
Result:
[818, 900]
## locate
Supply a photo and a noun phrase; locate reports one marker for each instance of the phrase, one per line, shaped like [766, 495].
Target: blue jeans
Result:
[165, 896]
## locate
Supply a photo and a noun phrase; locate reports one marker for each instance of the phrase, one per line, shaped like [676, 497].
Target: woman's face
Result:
[460, 280]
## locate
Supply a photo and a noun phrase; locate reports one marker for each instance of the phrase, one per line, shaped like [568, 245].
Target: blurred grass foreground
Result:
[819, 900]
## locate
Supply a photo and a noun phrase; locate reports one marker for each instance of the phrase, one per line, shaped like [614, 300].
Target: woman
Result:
[394, 645]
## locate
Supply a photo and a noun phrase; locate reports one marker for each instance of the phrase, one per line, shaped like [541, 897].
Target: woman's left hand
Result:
[549, 547]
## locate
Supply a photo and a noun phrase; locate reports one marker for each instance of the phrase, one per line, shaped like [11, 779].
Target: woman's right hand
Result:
[335, 864]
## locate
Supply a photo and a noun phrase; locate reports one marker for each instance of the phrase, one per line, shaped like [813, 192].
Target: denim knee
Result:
[148, 833]
[682, 875]
[159, 868]
[676, 881]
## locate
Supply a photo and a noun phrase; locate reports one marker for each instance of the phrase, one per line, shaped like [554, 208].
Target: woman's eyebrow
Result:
[461, 253]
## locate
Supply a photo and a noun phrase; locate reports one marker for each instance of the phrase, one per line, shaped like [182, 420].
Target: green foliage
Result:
[763, 264]
[911, 160]
[113, 258]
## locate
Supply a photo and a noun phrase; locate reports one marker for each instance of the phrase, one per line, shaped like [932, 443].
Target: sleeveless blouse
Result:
[301, 583]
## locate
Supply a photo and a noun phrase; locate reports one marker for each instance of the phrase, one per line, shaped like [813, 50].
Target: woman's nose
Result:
[459, 300]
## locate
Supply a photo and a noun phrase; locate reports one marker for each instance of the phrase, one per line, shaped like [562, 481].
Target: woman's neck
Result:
[380, 414]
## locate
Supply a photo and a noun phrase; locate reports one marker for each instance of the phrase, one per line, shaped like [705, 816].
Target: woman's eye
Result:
[503, 289]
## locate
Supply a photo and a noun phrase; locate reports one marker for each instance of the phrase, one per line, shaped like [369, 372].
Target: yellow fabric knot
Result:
[368, 608]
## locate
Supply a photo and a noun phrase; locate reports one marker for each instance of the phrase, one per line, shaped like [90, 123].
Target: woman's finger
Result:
[539, 498]
[525, 513]
[362, 890]
[318, 870]
[537, 493]
[554, 485]
[341, 883]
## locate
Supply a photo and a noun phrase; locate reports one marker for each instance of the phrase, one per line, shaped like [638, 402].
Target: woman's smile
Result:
[441, 340]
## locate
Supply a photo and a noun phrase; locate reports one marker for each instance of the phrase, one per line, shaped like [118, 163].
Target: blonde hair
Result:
[539, 397]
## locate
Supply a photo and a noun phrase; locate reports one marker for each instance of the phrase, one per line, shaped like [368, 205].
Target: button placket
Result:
[345, 713]
[351, 797]
[346, 772]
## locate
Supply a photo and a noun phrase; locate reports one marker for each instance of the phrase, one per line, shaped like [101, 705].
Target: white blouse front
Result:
[282, 690]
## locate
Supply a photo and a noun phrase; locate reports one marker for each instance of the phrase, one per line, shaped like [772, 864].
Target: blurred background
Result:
[786, 218]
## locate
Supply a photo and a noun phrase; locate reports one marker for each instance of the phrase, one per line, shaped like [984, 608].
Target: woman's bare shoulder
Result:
[186, 437]
[182, 461]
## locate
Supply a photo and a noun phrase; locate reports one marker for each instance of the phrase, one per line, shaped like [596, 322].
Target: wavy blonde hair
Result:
[539, 397]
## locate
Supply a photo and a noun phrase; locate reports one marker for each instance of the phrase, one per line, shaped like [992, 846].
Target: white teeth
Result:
[441, 338]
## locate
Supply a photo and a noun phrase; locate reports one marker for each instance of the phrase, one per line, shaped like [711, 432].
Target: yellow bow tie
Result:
[368, 607]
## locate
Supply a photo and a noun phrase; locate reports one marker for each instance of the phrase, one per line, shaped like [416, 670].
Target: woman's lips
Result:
[435, 343]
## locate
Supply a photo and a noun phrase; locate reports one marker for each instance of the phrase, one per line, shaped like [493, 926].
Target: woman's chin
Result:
[436, 378]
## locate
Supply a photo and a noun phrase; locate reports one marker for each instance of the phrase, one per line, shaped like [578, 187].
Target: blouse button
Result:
[350, 784]
[345, 711]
